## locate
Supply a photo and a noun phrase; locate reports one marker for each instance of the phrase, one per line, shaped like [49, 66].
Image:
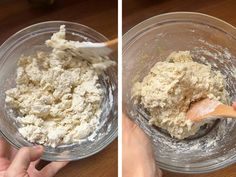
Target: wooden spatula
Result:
[97, 49]
[210, 109]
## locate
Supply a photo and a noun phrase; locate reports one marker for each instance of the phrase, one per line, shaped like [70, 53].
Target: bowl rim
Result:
[23, 31]
[129, 38]
[135, 29]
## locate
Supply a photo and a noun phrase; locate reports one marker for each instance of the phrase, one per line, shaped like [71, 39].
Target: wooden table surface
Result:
[135, 11]
[100, 15]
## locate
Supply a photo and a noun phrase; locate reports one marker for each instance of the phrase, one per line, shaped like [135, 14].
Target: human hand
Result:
[137, 156]
[23, 162]
[234, 105]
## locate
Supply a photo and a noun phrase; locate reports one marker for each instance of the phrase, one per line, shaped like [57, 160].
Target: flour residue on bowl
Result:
[208, 141]
[172, 86]
[58, 96]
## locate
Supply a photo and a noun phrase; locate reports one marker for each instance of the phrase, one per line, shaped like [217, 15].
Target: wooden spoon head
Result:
[201, 108]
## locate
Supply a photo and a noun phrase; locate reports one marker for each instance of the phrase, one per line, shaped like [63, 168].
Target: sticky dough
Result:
[171, 86]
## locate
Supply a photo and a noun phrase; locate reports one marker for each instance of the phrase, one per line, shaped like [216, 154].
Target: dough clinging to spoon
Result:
[171, 86]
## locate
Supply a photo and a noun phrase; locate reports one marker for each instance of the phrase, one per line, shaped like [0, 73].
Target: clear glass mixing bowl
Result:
[27, 42]
[209, 40]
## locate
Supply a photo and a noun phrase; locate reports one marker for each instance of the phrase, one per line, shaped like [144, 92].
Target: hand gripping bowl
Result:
[27, 42]
[209, 40]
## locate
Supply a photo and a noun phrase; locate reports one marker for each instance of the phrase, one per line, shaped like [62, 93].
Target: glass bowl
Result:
[27, 42]
[210, 40]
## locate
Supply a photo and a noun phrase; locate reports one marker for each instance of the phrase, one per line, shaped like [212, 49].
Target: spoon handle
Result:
[223, 111]
[112, 44]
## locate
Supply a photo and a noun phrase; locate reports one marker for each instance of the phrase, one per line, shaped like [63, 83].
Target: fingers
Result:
[13, 152]
[159, 172]
[127, 123]
[234, 105]
[51, 169]
[4, 148]
[130, 127]
[35, 163]
[23, 158]
[5, 152]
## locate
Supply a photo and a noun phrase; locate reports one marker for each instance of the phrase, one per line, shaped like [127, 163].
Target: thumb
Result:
[234, 105]
[22, 160]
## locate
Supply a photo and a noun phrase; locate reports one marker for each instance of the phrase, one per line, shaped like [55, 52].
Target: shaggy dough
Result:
[57, 95]
[171, 86]
[97, 58]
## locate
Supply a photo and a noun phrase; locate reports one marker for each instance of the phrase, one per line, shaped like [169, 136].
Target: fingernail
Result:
[38, 147]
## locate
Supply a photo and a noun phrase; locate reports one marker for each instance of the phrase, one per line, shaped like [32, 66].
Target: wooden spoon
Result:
[210, 109]
[112, 44]
[97, 53]
[98, 49]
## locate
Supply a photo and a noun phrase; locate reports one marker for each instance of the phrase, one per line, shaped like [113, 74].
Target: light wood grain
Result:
[135, 11]
[100, 15]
